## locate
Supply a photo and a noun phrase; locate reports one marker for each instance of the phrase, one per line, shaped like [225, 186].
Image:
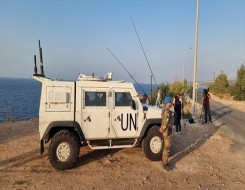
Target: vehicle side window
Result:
[95, 98]
[123, 99]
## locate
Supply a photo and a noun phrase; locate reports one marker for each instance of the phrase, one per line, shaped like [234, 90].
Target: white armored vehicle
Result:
[97, 112]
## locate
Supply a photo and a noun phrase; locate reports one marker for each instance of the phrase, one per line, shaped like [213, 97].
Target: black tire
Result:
[152, 144]
[63, 150]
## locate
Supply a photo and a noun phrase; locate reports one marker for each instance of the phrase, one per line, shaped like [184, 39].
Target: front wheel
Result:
[63, 150]
[152, 144]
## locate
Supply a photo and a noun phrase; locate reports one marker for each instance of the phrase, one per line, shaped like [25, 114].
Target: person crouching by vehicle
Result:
[166, 130]
[205, 102]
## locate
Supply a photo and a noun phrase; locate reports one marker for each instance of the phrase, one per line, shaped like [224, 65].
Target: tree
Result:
[165, 90]
[220, 85]
[171, 89]
[176, 87]
[185, 86]
[238, 89]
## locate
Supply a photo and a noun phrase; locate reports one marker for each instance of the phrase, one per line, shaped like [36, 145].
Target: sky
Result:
[75, 36]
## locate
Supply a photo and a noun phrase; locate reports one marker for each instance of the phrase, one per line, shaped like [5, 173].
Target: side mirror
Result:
[133, 105]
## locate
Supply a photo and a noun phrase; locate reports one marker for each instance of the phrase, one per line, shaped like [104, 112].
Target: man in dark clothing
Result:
[177, 113]
[205, 99]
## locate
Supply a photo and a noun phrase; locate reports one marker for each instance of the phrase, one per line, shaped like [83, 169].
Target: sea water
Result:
[19, 98]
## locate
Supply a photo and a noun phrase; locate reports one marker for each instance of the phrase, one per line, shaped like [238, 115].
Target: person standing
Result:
[158, 100]
[205, 99]
[166, 130]
[177, 113]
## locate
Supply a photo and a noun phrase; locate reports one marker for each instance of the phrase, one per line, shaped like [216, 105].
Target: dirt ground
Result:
[202, 157]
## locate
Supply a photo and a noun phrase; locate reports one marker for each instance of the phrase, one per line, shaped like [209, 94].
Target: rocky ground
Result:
[202, 157]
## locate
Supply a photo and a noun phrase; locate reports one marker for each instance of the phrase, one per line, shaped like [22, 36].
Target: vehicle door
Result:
[95, 113]
[124, 117]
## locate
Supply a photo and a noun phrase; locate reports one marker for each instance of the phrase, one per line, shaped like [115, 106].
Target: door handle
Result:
[88, 118]
[118, 118]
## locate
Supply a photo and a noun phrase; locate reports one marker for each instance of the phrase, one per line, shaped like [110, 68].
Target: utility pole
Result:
[195, 63]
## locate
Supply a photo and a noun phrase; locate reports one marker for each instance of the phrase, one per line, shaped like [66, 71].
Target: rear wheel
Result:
[63, 150]
[152, 144]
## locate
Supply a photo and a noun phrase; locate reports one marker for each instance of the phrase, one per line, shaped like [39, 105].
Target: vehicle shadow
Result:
[20, 159]
[94, 155]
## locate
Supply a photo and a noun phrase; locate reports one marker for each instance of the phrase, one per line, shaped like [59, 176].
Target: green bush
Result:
[238, 89]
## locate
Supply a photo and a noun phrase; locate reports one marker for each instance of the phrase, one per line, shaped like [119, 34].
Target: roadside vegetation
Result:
[172, 89]
[222, 87]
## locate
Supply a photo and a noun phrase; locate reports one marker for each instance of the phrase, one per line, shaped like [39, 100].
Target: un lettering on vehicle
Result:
[129, 122]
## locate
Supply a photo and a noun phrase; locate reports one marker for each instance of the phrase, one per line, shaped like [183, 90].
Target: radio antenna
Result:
[41, 59]
[143, 51]
[35, 65]
[126, 71]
